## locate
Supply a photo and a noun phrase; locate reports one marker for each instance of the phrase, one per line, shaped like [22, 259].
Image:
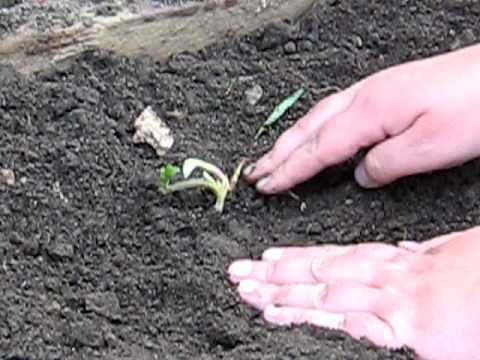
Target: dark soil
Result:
[96, 264]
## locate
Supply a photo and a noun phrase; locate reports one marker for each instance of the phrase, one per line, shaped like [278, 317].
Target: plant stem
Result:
[217, 188]
[236, 175]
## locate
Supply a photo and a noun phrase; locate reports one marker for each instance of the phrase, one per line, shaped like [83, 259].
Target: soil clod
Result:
[104, 304]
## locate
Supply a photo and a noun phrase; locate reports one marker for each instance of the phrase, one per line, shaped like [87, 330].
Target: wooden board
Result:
[156, 33]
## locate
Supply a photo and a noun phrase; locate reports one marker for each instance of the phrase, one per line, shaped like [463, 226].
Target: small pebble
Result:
[290, 47]
[103, 303]
[7, 177]
[303, 206]
[254, 94]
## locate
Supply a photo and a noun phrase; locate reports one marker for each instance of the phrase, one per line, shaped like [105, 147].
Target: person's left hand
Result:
[425, 296]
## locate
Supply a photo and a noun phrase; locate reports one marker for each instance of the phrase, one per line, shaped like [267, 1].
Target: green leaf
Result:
[167, 172]
[279, 110]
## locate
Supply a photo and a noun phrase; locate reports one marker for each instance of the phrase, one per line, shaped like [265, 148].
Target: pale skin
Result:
[417, 117]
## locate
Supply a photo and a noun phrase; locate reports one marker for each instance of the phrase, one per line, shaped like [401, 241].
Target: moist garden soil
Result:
[97, 264]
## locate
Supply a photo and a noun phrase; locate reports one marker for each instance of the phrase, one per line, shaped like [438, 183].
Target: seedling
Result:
[212, 179]
[166, 174]
[279, 110]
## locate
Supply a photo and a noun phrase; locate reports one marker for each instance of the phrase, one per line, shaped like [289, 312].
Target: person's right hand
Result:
[420, 116]
[424, 296]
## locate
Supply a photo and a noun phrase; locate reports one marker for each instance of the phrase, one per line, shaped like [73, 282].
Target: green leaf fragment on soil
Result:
[279, 110]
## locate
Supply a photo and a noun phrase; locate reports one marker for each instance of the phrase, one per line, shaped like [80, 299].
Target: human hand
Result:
[420, 116]
[425, 296]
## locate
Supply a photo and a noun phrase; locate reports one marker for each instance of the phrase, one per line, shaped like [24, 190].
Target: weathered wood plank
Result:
[156, 34]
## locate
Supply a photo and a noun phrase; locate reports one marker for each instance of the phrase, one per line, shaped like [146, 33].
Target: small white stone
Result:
[303, 206]
[7, 177]
[254, 94]
[152, 130]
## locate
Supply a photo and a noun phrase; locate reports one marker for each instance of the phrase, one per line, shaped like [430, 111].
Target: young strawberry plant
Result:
[212, 178]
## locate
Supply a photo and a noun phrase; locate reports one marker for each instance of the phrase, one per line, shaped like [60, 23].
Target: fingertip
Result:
[272, 313]
[264, 184]
[363, 178]
[284, 177]
[272, 184]
[256, 171]
[273, 254]
[248, 286]
[240, 269]
[249, 170]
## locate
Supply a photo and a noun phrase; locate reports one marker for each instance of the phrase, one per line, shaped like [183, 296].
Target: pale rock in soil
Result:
[254, 94]
[152, 130]
[7, 177]
[290, 48]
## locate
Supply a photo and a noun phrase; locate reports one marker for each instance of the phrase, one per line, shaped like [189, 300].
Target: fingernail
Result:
[262, 184]
[249, 170]
[273, 254]
[363, 179]
[272, 311]
[248, 286]
[241, 268]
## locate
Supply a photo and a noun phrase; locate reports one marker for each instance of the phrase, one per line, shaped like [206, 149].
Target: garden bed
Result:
[97, 264]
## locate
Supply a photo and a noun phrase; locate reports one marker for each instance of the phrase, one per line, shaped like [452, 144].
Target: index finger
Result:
[299, 134]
